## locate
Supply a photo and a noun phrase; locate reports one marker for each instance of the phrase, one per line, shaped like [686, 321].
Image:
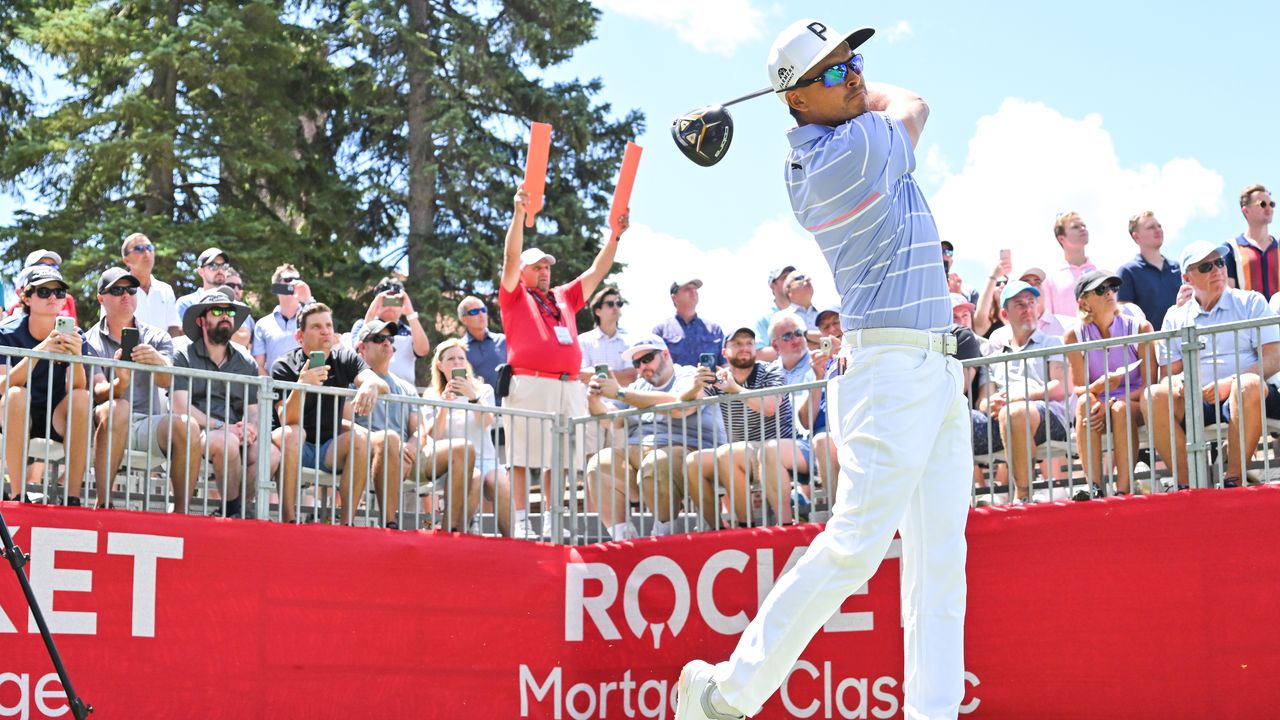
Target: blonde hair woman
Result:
[473, 426]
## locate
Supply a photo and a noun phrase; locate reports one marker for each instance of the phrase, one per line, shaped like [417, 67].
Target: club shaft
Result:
[756, 94]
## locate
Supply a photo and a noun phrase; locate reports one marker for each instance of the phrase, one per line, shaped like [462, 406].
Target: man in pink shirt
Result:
[1059, 287]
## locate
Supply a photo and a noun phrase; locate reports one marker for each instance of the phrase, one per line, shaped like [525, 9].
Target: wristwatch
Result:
[622, 394]
[215, 425]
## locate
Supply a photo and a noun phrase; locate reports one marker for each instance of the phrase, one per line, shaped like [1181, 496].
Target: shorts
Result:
[982, 425]
[144, 434]
[1212, 412]
[40, 414]
[1272, 403]
[315, 456]
[529, 439]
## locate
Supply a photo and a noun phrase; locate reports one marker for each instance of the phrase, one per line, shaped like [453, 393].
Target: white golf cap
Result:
[533, 256]
[803, 45]
[1032, 270]
[1196, 252]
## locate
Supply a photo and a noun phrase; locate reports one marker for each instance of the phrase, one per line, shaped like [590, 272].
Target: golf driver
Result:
[703, 135]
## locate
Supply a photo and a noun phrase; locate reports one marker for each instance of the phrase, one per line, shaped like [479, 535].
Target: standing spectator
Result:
[961, 310]
[1024, 398]
[47, 258]
[38, 396]
[392, 305]
[276, 333]
[986, 312]
[1110, 382]
[225, 413]
[244, 335]
[658, 443]
[605, 344]
[130, 409]
[543, 351]
[777, 286]
[1232, 365]
[786, 337]
[485, 350]
[1060, 286]
[157, 305]
[309, 434]
[211, 266]
[762, 440]
[1253, 260]
[800, 292]
[687, 335]
[1150, 280]
[948, 258]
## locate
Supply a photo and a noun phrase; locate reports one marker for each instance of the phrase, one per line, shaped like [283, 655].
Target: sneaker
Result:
[523, 530]
[474, 528]
[693, 694]
[546, 528]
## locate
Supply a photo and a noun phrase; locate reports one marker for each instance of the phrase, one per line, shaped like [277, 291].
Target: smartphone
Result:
[128, 341]
[315, 359]
[1004, 257]
[825, 344]
[602, 370]
[282, 288]
[64, 324]
[393, 301]
[458, 373]
[708, 361]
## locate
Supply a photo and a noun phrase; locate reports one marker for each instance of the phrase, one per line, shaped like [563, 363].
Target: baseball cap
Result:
[675, 286]
[803, 45]
[1033, 270]
[208, 256]
[533, 256]
[113, 276]
[779, 272]
[38, 255]
[1013, 288]
[948, 245]
[642, 344]
[1198, 251]
[1093, 279]
[377, 326]
[728, 338]
[958, 301]
[829, 311]
[42, 275]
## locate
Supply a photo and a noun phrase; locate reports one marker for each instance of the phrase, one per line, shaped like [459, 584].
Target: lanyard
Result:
[553, 309]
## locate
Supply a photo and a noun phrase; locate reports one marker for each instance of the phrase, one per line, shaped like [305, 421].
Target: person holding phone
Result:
[274, 334]
[392, 305]
[43, 401]
[129, 408]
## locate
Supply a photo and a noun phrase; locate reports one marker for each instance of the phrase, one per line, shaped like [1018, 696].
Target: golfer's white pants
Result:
[905, 465]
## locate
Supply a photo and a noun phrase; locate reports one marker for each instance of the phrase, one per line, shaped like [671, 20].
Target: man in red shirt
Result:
[543, 352]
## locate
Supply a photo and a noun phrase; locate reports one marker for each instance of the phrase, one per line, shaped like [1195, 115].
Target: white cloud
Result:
[713, 27]
[901, 31]
[735, 291]
[1027, 162]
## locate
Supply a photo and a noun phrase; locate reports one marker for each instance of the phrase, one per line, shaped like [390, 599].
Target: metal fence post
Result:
[262, 482]
[553, 489]
[1193, 414]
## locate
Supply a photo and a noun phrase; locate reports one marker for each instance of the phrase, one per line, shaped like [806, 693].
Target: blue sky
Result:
[1106, 108]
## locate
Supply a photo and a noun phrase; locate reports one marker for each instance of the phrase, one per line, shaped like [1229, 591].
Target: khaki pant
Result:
[659, 472]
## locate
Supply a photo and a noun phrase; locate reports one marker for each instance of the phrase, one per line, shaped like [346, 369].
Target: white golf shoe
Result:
[693, 694]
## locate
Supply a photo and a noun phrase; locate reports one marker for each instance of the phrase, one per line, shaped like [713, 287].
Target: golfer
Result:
[899, 409]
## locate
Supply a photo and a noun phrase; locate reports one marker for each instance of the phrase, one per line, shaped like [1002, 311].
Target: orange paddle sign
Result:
[622, 193]
[535, 169]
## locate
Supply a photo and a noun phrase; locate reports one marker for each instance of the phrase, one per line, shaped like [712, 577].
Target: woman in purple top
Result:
[1108, 382]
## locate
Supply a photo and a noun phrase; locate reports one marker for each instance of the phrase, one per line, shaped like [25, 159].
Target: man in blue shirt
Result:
[1150, 280]
[687, 335]
[898, 410]
[485, 350]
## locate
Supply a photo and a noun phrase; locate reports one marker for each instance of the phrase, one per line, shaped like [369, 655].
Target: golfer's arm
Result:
[900, 104]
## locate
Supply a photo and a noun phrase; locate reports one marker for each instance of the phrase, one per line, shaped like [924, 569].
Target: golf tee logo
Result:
[818, 29]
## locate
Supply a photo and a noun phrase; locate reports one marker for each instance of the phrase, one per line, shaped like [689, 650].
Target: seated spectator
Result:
[1110, 383]
[453, 431]
[40, 403]
[276, 333]
[130, 408]
[777, 286]
[392, 304]
[1024, 398]
[762, 440]
[687, 335]
[1150, 280]
[224, 413]
[157, 303]
[800, 293]
[244, 335]
[1046, 322]
[485, 350]
[1059, 287]
[1231, 365]
[309, 434]
[787, 338]
[1253, 259]
[211, 267]
[811, 411]
[658, 443]
[827, 325]
[961, 311]
[47, 258]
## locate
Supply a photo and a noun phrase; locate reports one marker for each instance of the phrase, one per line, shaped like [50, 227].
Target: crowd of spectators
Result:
[737, 460]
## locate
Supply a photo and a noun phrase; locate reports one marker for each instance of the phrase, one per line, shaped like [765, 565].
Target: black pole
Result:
[17, 559]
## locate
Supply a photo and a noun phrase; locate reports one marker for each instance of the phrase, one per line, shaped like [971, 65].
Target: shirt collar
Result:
[806, 134]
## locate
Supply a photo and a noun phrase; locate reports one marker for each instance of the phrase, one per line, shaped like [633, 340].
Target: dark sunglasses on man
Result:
[1207, 266]
[118, 291]
[643, 359]
[44, 293]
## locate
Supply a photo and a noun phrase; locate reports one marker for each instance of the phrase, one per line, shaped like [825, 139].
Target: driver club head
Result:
[703, 135]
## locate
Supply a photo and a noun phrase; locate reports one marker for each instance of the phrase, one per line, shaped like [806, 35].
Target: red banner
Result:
[1152, 607]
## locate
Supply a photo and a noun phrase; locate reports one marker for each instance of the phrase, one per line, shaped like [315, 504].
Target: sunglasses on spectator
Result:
[290, 280]
[118, 291]
[948, 252]
[217, 265]
[1105, 288]
[1266, 203]
[833, 75]
[790, 335]
[221, 312]
[1002, 282]
[1207, 266]
[643, 359]
[44, 293]
[144, 248]
[482, 310]
[379, 338]
[612, 303]
[234, 286]
[392, 288]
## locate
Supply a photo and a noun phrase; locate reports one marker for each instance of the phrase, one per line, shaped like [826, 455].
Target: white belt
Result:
[938, 342]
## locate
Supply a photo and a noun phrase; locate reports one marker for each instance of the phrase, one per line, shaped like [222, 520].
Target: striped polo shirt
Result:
[743, 422]
[851, 186]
